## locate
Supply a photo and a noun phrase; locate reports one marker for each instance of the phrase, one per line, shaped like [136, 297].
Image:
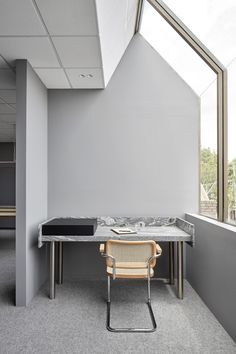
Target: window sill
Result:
[214, 222]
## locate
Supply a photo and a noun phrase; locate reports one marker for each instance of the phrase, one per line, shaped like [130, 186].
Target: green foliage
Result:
[209, 177]
[232, 184]
[209, 172]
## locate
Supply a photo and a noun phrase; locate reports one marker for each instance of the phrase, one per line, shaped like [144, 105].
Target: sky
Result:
[214, 23]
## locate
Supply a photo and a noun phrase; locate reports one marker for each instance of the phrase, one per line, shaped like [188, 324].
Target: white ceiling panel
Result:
[73, 17]
[6, 109]
[53, 78]
[8, 96]
[28, 28]
[78, 51]
[18, 17]
[85, 78]
[37, 50]
[7, 79]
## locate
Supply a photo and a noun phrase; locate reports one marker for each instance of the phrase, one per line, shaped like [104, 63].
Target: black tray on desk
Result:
[70, 227]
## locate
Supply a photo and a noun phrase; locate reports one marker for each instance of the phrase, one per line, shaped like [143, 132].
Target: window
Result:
[175, 50]
[213, 22]
[208, 152]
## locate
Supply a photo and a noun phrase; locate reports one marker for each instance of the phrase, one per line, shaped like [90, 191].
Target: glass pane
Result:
[232, 142]
[212, 21]
[175, 50]
[208, 157]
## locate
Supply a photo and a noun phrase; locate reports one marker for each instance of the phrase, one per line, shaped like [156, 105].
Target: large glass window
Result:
[213, 22]
[175, 50]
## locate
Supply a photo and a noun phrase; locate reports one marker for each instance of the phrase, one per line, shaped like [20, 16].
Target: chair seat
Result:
[130, 272]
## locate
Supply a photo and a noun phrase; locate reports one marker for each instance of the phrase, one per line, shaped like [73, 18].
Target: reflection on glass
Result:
[175, 50]
[212, 21]
[208, 157]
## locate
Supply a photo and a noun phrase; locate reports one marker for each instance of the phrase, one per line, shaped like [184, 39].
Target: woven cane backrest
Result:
[131, 254]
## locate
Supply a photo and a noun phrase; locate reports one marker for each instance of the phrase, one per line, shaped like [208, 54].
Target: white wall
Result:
[31, 181]
[131, 149]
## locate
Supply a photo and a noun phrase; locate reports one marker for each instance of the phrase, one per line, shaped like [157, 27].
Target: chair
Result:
[130, 260]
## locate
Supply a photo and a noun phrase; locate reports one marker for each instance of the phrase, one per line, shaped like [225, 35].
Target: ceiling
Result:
[69, 43]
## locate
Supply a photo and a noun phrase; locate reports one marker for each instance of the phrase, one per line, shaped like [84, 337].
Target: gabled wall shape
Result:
[131, 149]
[31, 181]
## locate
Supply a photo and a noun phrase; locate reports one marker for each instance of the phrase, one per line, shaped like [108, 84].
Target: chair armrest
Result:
[103, 254]
[158, 249]
[102, 248]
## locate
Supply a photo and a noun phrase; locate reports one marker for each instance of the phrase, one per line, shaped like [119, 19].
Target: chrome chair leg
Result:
[135, 330]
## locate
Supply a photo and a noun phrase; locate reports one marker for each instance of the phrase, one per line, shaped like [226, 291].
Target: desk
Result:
[160, 229]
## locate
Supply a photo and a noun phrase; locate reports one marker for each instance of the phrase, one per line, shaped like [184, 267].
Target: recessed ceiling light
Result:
[83, 76]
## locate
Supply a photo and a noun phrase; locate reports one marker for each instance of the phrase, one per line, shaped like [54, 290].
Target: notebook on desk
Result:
[123, 230]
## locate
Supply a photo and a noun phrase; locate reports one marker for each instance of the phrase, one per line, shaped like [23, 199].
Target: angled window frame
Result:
[221, 73]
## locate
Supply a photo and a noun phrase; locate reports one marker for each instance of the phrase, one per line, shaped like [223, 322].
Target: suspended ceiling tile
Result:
[7, 79]
[8, 96]
[85, 78]
[37, 50]
[72, 17]
[78, 51]
[19, 18]
[6, 109]
[53, 78]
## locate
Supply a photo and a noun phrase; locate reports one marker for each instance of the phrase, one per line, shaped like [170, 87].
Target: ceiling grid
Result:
[69, 44]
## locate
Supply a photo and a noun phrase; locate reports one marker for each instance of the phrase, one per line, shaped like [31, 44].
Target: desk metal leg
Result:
[171, 262]
[180, 275]
[52, 271]
[60, 263]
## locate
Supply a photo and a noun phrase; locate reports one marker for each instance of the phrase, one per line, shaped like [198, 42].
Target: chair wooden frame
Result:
[150, 263]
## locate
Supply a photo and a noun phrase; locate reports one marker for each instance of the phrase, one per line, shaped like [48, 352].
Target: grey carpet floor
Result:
[75, 321]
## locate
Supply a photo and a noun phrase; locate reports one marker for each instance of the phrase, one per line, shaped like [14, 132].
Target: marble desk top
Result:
[154, 228]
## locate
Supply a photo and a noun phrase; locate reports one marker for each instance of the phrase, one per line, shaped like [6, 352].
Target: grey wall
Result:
[31, 181]
[131, 149]
[211, 268]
